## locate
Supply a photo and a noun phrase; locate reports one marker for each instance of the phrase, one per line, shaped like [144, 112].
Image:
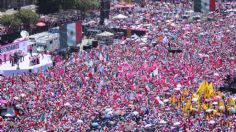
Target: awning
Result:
[40, 24]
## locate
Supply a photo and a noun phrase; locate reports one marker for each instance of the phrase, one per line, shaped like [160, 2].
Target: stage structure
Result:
[28, 64]
[70, 34]
[7, 50]
[16, 58]
[204, 5]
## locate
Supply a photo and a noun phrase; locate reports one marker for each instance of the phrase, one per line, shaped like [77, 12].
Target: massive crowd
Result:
[115, 88]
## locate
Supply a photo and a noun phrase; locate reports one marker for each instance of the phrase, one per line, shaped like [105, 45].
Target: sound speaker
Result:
[95, 44]
[175, 51]
[87, 47]
[74, 49]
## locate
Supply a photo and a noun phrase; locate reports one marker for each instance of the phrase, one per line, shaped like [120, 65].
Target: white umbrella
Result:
[22, 95]
[16, 98]
[108, 110]
[67, 104]
[179, 85]
[209, 110]
[177, 123]
[221, 107]
[91, 22]
[105, 34]
[211, 122]
[166, 100]
[79, 121]
[148, 125]
[215, 103]
[195, 99]
[9, 115]
[216, 74]
[135, 113]
[163, 122]
[177, 89]
[120, 16]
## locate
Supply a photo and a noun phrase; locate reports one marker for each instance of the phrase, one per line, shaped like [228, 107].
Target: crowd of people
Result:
[120, 87]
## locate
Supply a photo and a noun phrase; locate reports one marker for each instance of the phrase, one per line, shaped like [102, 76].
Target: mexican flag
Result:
[70, 34]
[167, 80]
[43, 117]
[204, 5]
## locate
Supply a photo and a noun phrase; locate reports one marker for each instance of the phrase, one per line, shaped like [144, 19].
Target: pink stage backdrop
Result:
[10, 49]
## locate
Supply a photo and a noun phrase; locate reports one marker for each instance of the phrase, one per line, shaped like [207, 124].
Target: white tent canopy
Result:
[120, 16]
[106, 34]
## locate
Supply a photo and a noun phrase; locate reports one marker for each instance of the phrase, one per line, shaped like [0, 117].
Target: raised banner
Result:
[204, 5]
[70, 34]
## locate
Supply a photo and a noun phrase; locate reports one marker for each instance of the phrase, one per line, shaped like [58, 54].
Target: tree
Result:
[85, 5]
[27, 16]
[10, 21]
[52, 6]
[67, 4]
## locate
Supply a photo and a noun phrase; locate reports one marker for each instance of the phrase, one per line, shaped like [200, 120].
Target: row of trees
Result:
[51, 6]
[24, 17]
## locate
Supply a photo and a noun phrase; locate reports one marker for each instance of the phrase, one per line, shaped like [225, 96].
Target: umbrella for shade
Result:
[195, 99]
[135, 113]
[166, 100]
[221, 107]
[215, 103]
[148, 125]
[40, 24]
[209, 110]
[120, 16]
[79, 121]
[211, 122]
[177, 89]
[108, 110]
[67, 104]
[162, 122]
[16, 98]
[9, 115]
[177, 123]
[22, 95]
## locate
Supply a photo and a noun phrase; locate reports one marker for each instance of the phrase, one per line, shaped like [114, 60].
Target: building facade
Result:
[8, 4]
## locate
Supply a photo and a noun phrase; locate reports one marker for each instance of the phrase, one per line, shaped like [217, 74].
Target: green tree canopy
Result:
[10, 21]
[84, 5]
[24, 16]
[27, 16]
[52, 6]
